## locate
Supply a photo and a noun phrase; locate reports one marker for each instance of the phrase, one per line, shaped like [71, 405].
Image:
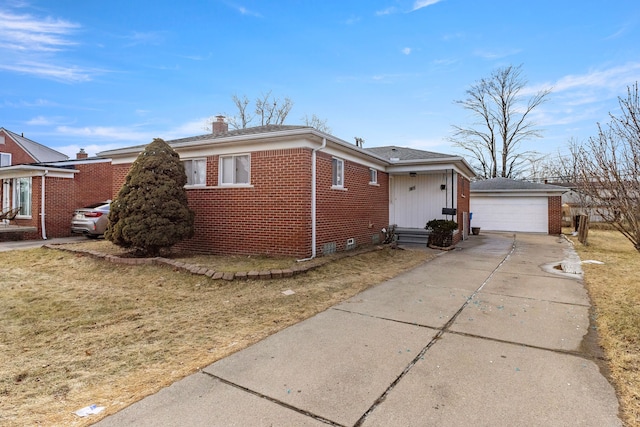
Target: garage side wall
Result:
[555, 214]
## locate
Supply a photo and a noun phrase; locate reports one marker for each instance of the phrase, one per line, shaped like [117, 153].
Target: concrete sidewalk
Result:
[30, 244]
[487, 334]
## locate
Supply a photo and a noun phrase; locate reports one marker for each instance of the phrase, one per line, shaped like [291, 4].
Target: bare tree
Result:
[564, 169]
[272, 110]
[316, 122]
[609, 168]
[503, 122]
[242, 118]
[267, 109]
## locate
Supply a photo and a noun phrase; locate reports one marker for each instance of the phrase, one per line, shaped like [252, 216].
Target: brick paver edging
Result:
[215, 275]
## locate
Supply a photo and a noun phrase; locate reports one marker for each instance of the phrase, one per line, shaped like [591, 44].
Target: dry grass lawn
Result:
[615, 292]
[78, 331]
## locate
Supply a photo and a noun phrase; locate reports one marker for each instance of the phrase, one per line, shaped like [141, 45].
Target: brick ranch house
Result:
[296, 191]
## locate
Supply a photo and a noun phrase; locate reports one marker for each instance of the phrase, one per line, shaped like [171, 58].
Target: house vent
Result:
[351, 243]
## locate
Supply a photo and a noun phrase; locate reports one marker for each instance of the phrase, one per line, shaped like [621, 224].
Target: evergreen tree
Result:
[151, 211]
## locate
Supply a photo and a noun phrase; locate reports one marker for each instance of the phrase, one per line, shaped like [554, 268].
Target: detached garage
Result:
[502, 204]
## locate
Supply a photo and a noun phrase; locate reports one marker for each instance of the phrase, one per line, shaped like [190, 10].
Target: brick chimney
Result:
[81, 154]
[219, 126]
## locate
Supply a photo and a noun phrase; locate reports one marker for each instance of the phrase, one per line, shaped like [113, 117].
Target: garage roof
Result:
[497, 185]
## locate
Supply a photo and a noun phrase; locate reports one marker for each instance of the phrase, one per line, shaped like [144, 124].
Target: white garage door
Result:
[524, 214]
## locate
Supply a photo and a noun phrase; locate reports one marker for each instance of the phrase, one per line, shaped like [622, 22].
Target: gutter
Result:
[42, 222]
[313, 200]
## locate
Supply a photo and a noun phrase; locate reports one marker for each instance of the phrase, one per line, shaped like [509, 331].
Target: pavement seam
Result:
[276, 401]
[431, 343]
[581, 355]
[537, 299]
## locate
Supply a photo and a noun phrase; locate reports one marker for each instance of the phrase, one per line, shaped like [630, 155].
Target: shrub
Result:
[441, 232]
[151, 211]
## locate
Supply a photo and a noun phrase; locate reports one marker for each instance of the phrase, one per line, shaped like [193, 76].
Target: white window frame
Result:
[196, 171]
[373, 176]
[25, 208]
[337, 172]
[5, 159]
[232, 179]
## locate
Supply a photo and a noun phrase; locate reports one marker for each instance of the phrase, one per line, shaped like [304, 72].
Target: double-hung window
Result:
[337, 172]
[235, 170]
[196, 171]
[5, 159]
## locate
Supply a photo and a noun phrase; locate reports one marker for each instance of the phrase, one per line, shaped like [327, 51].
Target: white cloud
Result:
[244, 11]
[496, 54]
[49, 71]
[107, 133]
[29, 45]
[387, 11]
[614, 80]
[41, 121]
[419, 4]
[151, 38]
[406, 51]
[31, 34]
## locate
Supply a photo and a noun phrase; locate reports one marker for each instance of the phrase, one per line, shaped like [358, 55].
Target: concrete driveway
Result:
[489, 334]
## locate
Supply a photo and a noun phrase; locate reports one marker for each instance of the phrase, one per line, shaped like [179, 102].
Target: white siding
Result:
[416, 200]
[523, 214]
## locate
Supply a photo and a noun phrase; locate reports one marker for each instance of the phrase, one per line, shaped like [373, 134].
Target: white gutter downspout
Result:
[313, 200]
[44, 231]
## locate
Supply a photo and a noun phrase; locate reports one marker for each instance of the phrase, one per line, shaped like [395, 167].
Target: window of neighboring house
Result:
[337, 172]
[196, 171]
[235, 170]
[5, 159]
[373, 176]
[22, 195]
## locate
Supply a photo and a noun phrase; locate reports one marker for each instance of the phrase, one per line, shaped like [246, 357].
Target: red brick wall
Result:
[119, 175]
[273, 216]
[93, 183]
[360, 211]
[462, 206]
[555, 214]
[18, 155]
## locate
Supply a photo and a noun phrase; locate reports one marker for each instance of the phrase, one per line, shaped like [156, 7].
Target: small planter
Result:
[475, 230]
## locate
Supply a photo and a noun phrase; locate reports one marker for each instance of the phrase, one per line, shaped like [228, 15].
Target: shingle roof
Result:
[506, 184]
[403, 153]
[238, 132]
[39, 152]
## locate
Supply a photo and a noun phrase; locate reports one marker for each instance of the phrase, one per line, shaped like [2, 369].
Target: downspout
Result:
[44, 231]
[313, 200]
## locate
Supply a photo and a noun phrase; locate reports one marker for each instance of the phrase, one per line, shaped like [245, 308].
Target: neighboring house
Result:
[502, 204]
[46, 187]
[296, 191]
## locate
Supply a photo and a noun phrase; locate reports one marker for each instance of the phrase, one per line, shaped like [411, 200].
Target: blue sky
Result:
[107, 74]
